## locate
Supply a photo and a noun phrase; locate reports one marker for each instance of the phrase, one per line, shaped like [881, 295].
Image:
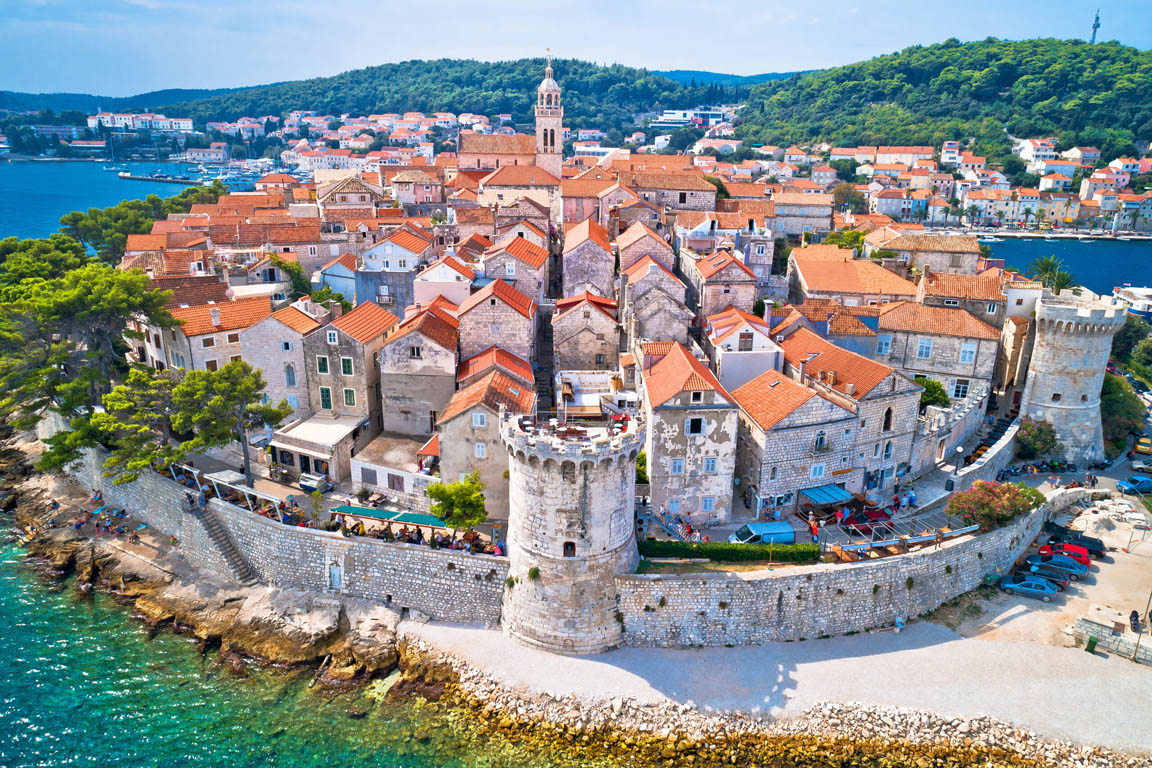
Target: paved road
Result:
[1057, 692]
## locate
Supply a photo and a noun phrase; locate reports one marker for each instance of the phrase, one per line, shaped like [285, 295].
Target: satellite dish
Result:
[231, 294]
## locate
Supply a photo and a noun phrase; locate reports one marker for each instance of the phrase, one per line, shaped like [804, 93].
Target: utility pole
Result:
[1095, 26]
[1140, 635]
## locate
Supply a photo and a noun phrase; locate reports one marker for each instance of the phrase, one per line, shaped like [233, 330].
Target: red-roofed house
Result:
[588, 261]
[653, 303]
[740, 346]
[585, 334]
[947, 344]
[275, 345]
[691, 437]
[448, 277]
[342, 372]
[418, 373]
[521, 263]
[498, 313]
[209, 334]
[718, 280]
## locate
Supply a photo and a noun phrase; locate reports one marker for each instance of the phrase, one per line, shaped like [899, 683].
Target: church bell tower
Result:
[549, 120]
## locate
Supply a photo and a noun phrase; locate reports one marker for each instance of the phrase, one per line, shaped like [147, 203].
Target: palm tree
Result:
[1027, 214]
[1045, 268]
[972, 210]
[1062, 280]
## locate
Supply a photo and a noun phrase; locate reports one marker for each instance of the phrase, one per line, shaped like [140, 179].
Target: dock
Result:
[169, 180]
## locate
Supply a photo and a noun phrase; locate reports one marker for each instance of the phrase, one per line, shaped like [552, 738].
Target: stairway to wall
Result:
[241, 570]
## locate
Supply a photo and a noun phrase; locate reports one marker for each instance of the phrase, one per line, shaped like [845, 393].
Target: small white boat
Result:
[989, 239]
[1124, 238]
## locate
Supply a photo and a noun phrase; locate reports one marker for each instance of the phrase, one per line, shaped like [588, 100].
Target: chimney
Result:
[831, 378]
[214, 313]
[850, 389]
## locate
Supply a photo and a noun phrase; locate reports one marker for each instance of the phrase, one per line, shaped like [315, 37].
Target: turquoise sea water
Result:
[1099, 266]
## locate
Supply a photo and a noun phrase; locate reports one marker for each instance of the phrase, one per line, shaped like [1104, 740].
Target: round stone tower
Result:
[1066, 372]
[571, 529]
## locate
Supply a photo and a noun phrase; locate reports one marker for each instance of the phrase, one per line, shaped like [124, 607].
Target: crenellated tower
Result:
[571, 530]
[1073, 341]
[549, 124]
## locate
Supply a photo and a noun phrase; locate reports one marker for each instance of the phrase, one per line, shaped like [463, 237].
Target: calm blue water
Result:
[82, 684]
[34, 195]
[1098, 266]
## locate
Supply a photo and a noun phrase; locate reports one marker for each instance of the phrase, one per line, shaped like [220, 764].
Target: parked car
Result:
[1112, 368]
[1054, 575]
[1069, 566]
[778, 532]
[1028, 584]
[1143, 445]
[1135, 485]
[1094, 546]
[865, 521]
[1055, 529]
[1079, 554]
[1142, 466]
[1138, 385]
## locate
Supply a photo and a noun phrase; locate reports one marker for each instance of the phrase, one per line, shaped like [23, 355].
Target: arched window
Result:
[887, 420]
[821, 441]
[289, 376]
[888, 450]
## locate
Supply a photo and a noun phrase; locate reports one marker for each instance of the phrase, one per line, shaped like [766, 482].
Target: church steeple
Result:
[549, 123]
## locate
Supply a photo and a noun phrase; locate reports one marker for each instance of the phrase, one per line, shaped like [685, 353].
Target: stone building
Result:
[639, 241]
[851, 282]
[886, 403]
[478, 151]
[418, 373]
[740, 346]
[953, 254]
[494, 358]
[208, 336]
[498, 313]
[717, 281]
[798, 212]
[790, 440]
[1066, 373]
[512, 182]
[341, 362]
[520, 263]
[943, 343]
[585, 334]
[387, 273]
[691, 438]
[678, 191]
[448, 277]
[549, 124]
[275, 346]
[588, 261]
[469, 433]
[414, 186]
[570, 532]
[981, 295]
[652, 301]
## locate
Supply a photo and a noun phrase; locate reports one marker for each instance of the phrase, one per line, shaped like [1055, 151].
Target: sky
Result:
[124, 47]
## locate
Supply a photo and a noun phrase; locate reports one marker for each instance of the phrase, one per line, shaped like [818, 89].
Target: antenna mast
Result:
[1095, 26]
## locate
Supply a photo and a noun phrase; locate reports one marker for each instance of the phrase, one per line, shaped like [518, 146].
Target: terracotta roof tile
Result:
[771, 397]
[234, 315]
[975, 287]
[431, 325]
[347, 260]
[520, 176]
[636, 232]
[939, 243]
[857, 276]
[504, 292]
[497, 144]
[817, 354]
[584, 231]
[190, 289]
[711, 266]
[495, 357]
[642, 266]
[366, 322]
[938, 321]
[492, 391]
[296, 320]
[607, 306]
[409, 240]
[146, 243]
[523, 250]
[678, 371]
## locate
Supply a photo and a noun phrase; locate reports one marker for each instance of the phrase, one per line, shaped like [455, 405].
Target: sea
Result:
[34, 195]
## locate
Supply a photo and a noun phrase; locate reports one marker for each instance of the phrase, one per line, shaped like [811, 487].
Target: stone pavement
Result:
[1057, 692]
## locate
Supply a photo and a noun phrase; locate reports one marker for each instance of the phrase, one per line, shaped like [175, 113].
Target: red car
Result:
[866, 520]
[1112, 369]
[1079, 554]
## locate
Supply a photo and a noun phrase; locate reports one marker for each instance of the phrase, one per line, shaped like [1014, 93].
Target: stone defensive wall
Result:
[809, 602]
[446, 585]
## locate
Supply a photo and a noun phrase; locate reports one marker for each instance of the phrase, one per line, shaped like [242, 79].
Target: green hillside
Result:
[89, 103]
[1087, 94]
[593, 95]
[702, 77]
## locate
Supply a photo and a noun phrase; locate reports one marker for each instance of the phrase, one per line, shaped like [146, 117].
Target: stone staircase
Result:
[241, 570]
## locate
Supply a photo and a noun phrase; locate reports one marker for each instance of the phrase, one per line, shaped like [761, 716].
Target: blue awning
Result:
[827, 494]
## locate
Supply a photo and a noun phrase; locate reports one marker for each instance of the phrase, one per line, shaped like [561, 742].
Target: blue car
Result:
[1135, 484]
[1061, 563]
[1029, 585]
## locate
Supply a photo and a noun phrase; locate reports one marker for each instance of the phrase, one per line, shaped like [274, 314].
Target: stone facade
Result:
[589, 267]
[417, 379]
[460, 455]
[570, 532]
[494, 321]
[341, 365]
[647, 245]
[585, 338]
[960, 364]
[797, 213]
[278, 352]
[1066, 372]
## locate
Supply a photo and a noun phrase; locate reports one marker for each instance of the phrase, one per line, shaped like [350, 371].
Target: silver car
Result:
[1142, 466]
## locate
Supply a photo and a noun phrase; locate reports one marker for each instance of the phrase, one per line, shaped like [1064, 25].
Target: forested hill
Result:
[594, 96]
[89, 103]
[1088, 94]
[701, 77]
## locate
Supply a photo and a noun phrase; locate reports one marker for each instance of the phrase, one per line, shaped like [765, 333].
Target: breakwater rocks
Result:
[834, 734]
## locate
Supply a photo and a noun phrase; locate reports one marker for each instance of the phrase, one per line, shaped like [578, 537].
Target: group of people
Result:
[469, 542]
[1090, 481]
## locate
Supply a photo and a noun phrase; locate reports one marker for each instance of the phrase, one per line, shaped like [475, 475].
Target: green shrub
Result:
[533, 573]
[1036, 438]
[722, 551]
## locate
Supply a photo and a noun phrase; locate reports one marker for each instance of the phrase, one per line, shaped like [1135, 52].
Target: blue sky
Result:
[122, 47]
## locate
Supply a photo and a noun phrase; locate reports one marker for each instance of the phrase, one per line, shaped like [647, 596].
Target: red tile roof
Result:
[938, 321]
[607, 306]
[366, 322]
[771, 397]
[817, 354]
[409, 240]
[495, 357]
[584, 231]
[678, 371]
[975, 287]
[347, 260]
[296, 320]
[713, 265]
[857, 276]
[520, 176]
[523, 250]
[645, 263]
[636, 232]
[500, 290]
[493, 390]
[433, 326]
[190, 289]
[146, 243]
[234, 315]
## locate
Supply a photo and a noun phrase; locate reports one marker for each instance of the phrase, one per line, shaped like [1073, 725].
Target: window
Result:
[287, 458]
[759, 249]
[951, 303]
[1019, 302]
[207, 342]
[293, 401]
[991, 309]
[311, 250]
[676, 467]
[346, 366]
[887, 421]
[414, 353]
[817, 471]
[233, 338]
[286, 346]
[569, 549]
[1055, 397]
[883, 344]
[321, 364]
[707, 503]
[772, 473]
[326, 398]
[333, 337]
[674, 506]
[887, 450]
[683, 197]
[350, 398]
[694, 426]
[960, 389]
[403, 264]
[710, 466]
[745, 342]
[821, 442]
[479, 419]
[876, 451]
[968, 352]
[510, 269]
[697, 397]
[924, 349]
[481, 450]
[234, 358]
[210, 365]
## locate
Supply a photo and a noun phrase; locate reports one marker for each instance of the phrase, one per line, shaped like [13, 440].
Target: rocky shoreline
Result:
[351, 643]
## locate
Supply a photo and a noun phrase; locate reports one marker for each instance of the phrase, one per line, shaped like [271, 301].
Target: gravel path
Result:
[1057, 692]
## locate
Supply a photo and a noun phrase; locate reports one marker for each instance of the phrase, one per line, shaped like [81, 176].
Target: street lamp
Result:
[959, 454]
